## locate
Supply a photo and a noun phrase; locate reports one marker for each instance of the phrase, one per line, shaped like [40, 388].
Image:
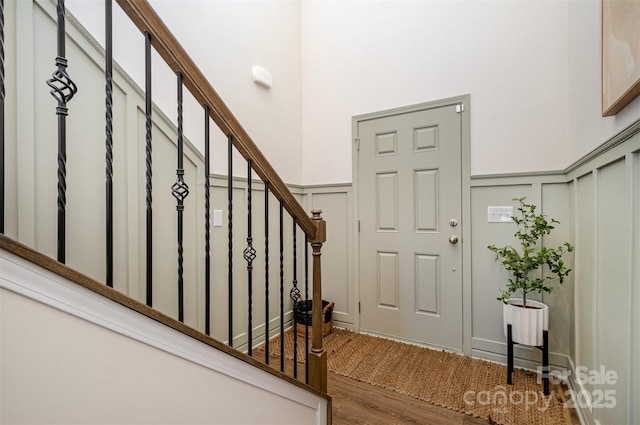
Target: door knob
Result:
[453, 222]
[453, 239]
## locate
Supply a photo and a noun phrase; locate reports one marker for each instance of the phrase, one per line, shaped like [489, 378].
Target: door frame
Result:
[465, 101]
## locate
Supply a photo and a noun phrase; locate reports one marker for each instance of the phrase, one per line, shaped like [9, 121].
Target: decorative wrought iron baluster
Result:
[266, 272]
[180, 191]
[62, 89]
[230, 227]
[2, 95]
[295, 296]
[281, 287]
[249, 254]
[108, 74]
[148, 168]
[207, 224]
[306, 297]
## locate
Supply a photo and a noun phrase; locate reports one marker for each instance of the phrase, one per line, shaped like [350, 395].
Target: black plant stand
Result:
[545, 358]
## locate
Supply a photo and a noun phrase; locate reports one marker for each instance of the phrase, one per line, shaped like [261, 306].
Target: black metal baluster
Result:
[306, 297]
[207, 225]
[281, 288]
[295, 296]
[62, 89]
[108, 74]
[249, 255]
[148, 164]
[266, 272]
[2, 94]
[180, 191]
[230, 226]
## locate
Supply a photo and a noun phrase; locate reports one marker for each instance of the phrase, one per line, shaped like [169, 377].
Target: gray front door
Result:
[410, 208]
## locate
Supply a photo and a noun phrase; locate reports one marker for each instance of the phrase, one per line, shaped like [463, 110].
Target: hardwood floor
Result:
[357, 403]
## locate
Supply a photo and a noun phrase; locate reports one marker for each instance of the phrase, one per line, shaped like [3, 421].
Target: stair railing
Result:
[189, 76]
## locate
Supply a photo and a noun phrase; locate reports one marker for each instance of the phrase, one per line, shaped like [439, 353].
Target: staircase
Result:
[104, 196]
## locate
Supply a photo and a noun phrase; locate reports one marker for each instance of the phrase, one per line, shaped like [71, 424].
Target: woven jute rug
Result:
[475, 387]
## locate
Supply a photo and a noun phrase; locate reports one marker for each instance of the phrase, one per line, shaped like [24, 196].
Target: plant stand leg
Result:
[545, 362]
[509, 355]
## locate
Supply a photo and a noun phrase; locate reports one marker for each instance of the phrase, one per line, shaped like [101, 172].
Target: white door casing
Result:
[409, 189]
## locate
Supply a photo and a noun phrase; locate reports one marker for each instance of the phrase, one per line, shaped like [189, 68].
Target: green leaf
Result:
[533, 267]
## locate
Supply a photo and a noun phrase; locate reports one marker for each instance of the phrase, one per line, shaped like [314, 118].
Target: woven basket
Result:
[304, 314]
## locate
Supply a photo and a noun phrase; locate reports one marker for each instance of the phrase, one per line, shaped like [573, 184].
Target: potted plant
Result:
[533, 268]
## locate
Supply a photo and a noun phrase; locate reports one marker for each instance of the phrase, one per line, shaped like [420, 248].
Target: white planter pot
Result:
[528, 323]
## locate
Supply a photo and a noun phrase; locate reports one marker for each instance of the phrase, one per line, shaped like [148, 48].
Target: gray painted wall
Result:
[488, 275]
[605, 191]
[336, 202]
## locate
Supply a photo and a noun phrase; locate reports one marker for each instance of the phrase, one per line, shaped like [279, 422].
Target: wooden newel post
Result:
[317, 356]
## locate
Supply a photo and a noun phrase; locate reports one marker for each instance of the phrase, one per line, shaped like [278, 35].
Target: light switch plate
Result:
[217, 218]
[499, 214]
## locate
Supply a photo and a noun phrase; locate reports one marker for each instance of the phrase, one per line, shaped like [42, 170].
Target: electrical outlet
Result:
[499, 214]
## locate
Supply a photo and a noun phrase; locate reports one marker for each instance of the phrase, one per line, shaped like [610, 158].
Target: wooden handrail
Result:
[147, 20]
